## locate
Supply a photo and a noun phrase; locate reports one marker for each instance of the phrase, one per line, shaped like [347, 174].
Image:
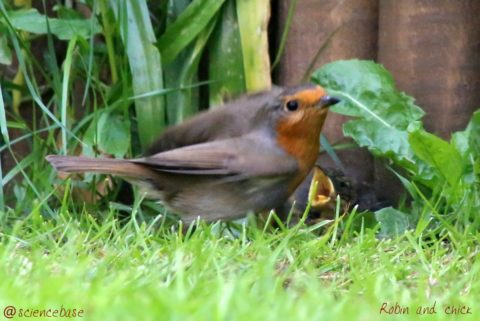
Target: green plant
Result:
[444, 176]
[154, 76]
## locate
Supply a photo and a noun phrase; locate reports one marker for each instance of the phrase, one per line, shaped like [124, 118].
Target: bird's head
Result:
[303, 107]
[296, 116]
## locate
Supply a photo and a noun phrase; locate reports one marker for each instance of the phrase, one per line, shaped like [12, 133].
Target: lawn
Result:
[130, 271]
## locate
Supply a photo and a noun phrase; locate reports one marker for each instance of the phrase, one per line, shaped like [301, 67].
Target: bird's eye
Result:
[292, 105]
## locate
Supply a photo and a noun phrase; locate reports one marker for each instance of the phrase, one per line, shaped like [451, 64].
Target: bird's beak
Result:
[327, 101]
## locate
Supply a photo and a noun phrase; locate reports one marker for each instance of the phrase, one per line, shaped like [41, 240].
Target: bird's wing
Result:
[237, 156]
[231, 120]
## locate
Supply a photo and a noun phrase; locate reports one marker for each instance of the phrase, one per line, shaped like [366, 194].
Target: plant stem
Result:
[108, 32]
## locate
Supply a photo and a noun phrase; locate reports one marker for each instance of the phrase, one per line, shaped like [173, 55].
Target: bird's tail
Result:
[120, 167]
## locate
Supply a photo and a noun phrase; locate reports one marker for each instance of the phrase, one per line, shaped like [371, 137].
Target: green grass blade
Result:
[328, 148]
[108, 34]
[180, 101]
[325, 44]
[52, 61]
[187, 27]
[65, 92]
[137, 34]
[286, 30]
[24, 163]
[29, 82]
[188, 104]
[4, 130]
[30, 20]
[27, 136]
[3, 118]
[253, 19]
[89, 68]
[225, 58]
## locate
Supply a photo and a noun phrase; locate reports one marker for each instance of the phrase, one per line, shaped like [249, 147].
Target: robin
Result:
[247, 156]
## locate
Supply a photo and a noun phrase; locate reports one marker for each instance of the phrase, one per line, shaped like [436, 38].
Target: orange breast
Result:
[299, 136]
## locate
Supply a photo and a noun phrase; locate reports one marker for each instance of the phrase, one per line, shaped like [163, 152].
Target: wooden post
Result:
[433, 50]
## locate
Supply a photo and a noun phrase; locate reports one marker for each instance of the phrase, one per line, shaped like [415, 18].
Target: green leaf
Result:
[369, 92]
[114, 134]
[382, 141]
[5, 52]
[468, 141]
[439, 154]
[186, 28]
[34, 22]
[253, 17]
[385, 115]
[392, 222]
[145, 65]
[110, 134]
[187, 103]
[181, 73]
[225, 58]
[474, 133]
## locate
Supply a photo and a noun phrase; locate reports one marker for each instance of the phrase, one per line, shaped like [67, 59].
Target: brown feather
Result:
[121, 167]
[233, 119]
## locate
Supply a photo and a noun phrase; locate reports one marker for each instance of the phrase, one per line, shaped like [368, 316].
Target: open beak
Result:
[327, 101]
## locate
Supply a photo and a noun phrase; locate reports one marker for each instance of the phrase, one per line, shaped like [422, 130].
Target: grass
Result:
[138, 271]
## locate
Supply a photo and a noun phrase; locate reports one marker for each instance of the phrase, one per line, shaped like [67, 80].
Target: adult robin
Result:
[249, 155]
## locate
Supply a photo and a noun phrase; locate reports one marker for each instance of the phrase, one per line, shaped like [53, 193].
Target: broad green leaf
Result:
[174, 8]
[369, 92]
[64, 12]
[110, 134]
[392, 222]
[181, 73]
[253, 17]
[474, 136]
[186, 27]
[468, 141]
[5, 52]
[145, 65]
[186, 103]
[34, 22]
[385, 116]
[225, 58]
[24, 65]
[382, 141]
[114, 134]
[174, 106]
[439, 154]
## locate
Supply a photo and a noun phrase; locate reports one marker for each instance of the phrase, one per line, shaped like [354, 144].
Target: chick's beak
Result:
[327, 101]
